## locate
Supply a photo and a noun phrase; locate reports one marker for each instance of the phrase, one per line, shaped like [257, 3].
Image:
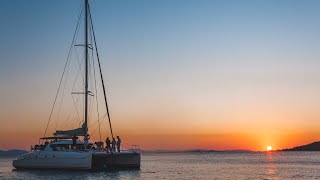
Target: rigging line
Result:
[91, 100]
[79, 69]
[64, 87]
[91, 106]
[76, 102]
[67, 121]
[92, 134]
[95, 86]
[103, 118]
[64, 69]
[77, 119]
[80, 65]
[103, 87]
[66, 77]
[75, 81]
[65, 82]
[90, 103]
[76, 107]
[91, 65]
[76, 52]
[99, 120]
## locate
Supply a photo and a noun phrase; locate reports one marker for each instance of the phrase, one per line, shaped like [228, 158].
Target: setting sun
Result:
[269, 148]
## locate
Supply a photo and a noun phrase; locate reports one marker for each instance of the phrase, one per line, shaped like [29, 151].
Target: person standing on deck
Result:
[118, 143]
[74, 142]
[113, 144]
[108, 144]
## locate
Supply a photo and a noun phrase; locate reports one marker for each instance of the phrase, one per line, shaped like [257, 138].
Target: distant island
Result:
[315, 146]
[13, 152]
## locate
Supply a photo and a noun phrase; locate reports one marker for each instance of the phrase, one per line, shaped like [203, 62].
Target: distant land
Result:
[13, 152]
[315, 146]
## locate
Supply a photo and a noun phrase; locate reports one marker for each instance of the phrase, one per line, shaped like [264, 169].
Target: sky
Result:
[180, 74]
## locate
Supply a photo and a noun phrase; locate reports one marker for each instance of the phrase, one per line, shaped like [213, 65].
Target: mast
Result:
[86, 74]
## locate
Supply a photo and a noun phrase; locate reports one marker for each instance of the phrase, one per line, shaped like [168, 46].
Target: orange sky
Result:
[229, 119]
[236, 118]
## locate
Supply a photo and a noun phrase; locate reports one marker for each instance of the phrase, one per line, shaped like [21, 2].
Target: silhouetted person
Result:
[108, 142]
[86, 143]
[113, 144]
[74, 141]
[118, 143]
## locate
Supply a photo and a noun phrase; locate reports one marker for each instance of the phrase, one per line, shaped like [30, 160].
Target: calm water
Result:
[277, 165]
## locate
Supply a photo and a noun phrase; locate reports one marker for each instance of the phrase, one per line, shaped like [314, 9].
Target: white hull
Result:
[54, 160]
[78, 160]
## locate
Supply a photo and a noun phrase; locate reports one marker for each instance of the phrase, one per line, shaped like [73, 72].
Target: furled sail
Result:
[74, 132]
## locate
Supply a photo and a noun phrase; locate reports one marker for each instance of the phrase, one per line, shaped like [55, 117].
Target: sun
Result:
[269, 148]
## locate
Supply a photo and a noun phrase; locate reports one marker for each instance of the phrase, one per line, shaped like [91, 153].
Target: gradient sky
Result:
[180, 74]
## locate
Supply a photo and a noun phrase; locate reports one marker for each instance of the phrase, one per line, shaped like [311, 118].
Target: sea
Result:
[193, 165]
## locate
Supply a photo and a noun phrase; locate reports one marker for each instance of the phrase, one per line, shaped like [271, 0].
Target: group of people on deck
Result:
[113, 146]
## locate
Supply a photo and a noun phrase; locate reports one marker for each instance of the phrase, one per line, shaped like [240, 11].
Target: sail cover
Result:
[74, 132]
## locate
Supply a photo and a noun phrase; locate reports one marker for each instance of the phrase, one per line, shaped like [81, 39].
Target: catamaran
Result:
[71, 149]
